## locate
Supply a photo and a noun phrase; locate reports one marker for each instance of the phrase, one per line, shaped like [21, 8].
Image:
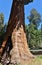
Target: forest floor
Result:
[36, 61]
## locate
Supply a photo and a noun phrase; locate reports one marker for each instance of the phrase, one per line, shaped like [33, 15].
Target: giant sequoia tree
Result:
[16, 30]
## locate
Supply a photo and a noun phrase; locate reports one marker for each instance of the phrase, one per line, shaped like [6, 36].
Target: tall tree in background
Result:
[41, 30]
[33, 34]
[34, 18]
[41, 35]
[2, 28]
[1, 23]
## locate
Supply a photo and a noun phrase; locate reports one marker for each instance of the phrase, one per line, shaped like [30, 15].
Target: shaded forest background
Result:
[33, 29]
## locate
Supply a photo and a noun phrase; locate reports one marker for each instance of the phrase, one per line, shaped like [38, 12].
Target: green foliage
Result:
[34, 18]
[32, 31]
[2, 28]
[26, 1]
[1, 23]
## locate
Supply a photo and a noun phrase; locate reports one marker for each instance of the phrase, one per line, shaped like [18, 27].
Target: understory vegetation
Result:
[34, 30]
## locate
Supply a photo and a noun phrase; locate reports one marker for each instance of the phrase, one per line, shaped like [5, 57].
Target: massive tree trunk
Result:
[16, 29]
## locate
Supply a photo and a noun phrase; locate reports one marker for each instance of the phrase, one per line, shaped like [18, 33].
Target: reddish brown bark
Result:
[16, 29]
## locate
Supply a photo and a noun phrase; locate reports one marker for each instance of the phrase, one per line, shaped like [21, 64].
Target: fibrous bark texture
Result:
[20, 50]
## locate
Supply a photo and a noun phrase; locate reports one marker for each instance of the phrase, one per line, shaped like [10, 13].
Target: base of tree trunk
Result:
[20, 51]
